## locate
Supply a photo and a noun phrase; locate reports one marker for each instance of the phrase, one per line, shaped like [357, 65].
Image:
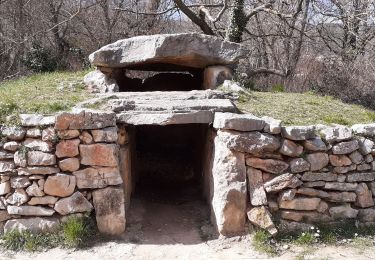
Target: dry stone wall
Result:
[297, 174]
[52, 167]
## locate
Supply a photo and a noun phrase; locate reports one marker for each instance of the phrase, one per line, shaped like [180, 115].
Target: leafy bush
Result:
[77, 230]
[40, 59]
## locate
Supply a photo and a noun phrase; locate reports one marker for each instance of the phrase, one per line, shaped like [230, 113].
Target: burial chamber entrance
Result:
[167, 198]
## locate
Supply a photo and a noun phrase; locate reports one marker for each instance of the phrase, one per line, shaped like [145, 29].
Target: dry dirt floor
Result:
[160, 227]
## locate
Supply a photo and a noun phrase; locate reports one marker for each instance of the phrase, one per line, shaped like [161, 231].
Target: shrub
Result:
[15, 240]
[77, 230]
[40, 59]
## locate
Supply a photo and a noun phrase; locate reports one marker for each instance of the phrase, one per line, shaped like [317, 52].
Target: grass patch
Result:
[43, 93]
[262, 243]
[76, 232]
[304, 109]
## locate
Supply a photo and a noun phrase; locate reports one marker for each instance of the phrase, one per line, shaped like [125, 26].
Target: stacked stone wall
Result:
[300, 174]
[53, 167]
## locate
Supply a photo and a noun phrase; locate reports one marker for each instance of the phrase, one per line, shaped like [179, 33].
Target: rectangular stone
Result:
[361, 176]
[99, 177]
[99, 155]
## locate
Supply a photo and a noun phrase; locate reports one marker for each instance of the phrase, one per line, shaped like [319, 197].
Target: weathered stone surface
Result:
[313, 184]
[68, 134]
[343, 212]
[305, 216]
[4, 216]
[67, 148]
[345, 147]
[99, 155]
[342, 196]
[86, 137]
[272, 126]
[69, 165]
[364, 167]
[36, 158]
[356, 157]
[339, 160]
[38, 170]
[371, 186]
[230, 196]
[35, 190]
[238, 122]
[341, 178]
[365, 145]
[214, 76]
[299, 165]
[11, 146]
[323, 206]
[251, 142]
[257, 193]
[18, 197]
[107, 135]
[261, 217]
[361, 176]
[19, 182]
[315, 145]
[312, 192]
[290, 148]
[33, 225]
[268, 165]
[60, 185]
[45, 200]
[30, 211]
[49, 134]
[6, 167]
[298, 133]
[4, 188]
[319, 176]
[190, 50]
[5, 155]
[364, 196]
[341, 186]
[169, 117]
[34, 133]
[281, 182]
[13, 133]
[336, 133]
[287, 194]
[109, 207]
[300, 204]
[98, 82]
[317, 161]
[364, 129]
[97, 177]
[85, 119]
[73, 204]
[36, 120]
[369, 158]
[20, 159]
[366, 215]
[345, 169]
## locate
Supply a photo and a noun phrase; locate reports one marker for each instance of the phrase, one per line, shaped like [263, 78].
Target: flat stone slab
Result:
[167, 51]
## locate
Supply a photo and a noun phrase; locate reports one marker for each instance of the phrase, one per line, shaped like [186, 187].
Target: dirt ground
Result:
[163, 228]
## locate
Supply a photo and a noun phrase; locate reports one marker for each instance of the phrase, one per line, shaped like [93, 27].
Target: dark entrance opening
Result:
[167, 170]
[141, 81]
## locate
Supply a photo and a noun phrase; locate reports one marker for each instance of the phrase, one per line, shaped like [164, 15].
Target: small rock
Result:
[68, 134]
[38, 145]
[287, 194]
[343, 212]
[99, 155]
[340, 160]
[369, 158]
[33, 225]
[323, 206]
[6, 167]
[11, 146]
[13, 133]
[356, 157]
[298, 133]
[366, 215]
[34, 133]
[69, 165]
[290, 148]
[319, 176]
[312, 192]
[272, 126]
[36, 158]
[361, 176]
[34, 190]
[19, 182]
[317, 161]
[60, 185]
[30, 211]
[365, 145]
[342, 196]
[300, 204]
[20, 159]
[281, 182]
[345, 169]
[68, 148]
[364, 167]
[107, 135]
[36, 120]
[336, 133]
[38, 170]
[85, 119]
[364, 196]
[238, 122]
[257, 193]
[86, 137]
[45, 200]
[73, 204]
[314, 184]
[261, 217]
[345, 147]
[268, 165]
[364, 129]
[18, 197]
[299, 165]
[98, 177]
[315, 145]
[4, 188]
[341, 186]
[49, 135]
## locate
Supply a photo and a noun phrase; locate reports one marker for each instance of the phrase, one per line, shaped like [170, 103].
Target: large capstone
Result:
[166, 51]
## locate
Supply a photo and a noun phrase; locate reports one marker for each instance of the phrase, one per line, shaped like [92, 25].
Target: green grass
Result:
[44, 93]
[262, 243]
[304, 109]
[76, 232]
